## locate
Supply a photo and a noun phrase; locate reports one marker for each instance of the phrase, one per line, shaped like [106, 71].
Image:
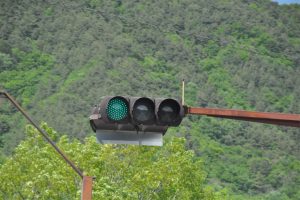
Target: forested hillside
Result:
[58, 58]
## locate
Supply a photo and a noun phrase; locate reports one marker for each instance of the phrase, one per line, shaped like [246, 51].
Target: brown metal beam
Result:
[86, 180]
[252, 116]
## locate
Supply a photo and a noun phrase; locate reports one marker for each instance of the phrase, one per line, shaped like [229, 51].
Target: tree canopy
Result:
[36, 171]
[58, 58]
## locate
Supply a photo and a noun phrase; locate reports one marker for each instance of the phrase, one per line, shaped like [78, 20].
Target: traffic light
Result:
[142, 110]
[115, 109]
[135, 120]
[169, 112]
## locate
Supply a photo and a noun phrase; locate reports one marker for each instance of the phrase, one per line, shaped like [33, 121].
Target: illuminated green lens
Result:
[117, 109]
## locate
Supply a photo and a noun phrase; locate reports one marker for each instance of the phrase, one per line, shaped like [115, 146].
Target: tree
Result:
[35, 171]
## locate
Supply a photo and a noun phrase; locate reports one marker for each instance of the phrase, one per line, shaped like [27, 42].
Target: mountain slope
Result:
[58, 58]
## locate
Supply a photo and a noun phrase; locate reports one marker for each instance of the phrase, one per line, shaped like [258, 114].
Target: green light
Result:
[117, 109]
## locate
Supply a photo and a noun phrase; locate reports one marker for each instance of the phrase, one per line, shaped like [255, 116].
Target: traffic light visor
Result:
[169, 112]
[143, 111]
[117, 109]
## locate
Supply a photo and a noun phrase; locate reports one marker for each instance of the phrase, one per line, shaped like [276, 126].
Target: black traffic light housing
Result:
[121, 119]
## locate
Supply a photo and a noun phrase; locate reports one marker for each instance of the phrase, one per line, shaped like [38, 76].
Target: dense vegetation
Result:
[122, 172]
[59, 57]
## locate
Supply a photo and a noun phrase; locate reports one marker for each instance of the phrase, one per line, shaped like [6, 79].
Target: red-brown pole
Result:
[87, 185]
[253, 116]
[87, 181]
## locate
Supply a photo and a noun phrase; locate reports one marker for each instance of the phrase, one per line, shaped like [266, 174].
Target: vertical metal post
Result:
[87, 184]
[182, 93]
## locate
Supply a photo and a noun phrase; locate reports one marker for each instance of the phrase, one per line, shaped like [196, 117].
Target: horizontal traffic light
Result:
[141, 118]
[141, 111]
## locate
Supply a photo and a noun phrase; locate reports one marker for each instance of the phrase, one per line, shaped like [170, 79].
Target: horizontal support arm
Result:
[252, 116]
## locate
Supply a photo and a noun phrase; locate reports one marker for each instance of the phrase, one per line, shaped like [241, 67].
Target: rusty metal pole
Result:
[87, 181]
[252, 116]
[87, 187]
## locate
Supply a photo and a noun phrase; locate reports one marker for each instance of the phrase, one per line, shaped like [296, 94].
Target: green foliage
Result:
[220, 79]
[31, 68]
[5, 61]
[174, 38]
[122, 172]
[58, 59]
[191, 94]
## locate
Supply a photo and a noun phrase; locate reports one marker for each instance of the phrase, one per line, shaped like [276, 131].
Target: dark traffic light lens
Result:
[117, 109]
[143, 111]
[168, 112]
